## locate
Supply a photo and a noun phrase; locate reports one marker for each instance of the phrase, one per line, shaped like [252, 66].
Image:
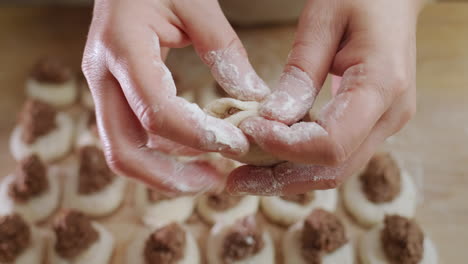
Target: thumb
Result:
[220, 48]
[319, 32]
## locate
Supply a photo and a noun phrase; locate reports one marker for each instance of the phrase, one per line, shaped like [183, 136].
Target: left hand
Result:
[372, 45]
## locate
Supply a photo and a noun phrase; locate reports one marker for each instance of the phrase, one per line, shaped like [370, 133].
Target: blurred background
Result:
[433, 146]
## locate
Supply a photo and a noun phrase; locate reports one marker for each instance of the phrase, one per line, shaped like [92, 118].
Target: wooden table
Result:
[434, 146]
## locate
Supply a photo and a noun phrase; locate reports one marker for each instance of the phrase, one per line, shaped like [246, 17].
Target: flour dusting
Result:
[218, 134]
[335, 109]
[292, 99]
[235, 74]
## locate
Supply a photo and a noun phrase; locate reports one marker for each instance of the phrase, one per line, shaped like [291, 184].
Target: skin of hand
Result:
[371, 45]
[139, 116]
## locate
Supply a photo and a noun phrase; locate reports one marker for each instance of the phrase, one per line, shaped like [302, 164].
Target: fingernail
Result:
[224, 137]
[250, 125]
[292, 99]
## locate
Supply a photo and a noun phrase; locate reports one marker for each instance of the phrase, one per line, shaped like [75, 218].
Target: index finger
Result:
[151, 93]
[126, 150]
[341, 128]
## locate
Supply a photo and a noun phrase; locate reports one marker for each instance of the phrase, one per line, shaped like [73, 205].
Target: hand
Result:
[135, 94]
[371, 44]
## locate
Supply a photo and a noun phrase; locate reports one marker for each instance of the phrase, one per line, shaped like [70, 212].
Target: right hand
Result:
[135, 95]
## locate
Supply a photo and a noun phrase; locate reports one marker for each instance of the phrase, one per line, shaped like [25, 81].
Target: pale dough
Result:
[35, 253]
[219, 162]
[219, 108]
[135, 249]
[215, 241]
[368, 213]
[162, 212]
[100, 252]
[56, 144]
[84, 135]
[371, 251]
[36, 209]
[291, 246]
[96, 204]
[87, 98]
[287, 213]
[248, 205]
[58, 95]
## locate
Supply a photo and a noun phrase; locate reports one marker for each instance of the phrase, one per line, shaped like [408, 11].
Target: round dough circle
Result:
[215, 242]
[248, 205]
[287, 213]
[135, 249]
[58, 95]
[96, 204]
[219, 108]
[87, 99]
[371, 252]
[35, 253]
[50, 147]
[36, 209]
[84, 135]
[162, 212]
[100, 252]
[291, 247]
[368, 213]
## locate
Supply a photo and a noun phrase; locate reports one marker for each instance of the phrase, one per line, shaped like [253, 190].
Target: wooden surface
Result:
[433, 147]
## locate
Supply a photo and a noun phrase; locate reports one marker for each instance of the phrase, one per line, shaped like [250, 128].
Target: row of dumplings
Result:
[319, 238]
[46, 132]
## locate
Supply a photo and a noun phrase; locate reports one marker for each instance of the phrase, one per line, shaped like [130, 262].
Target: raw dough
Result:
[286, 212]
[368, 213]
[58, 95]
[84, 135]
[220, 108]
[371, 252]
[87, 98]
[215, 241]
[50, 147]
[100, 252]
[162, 212]
[37, 208]
[291, 246]
[135, 249]
[248, 205]
[35, 253]
[219, 162]
[100, 203]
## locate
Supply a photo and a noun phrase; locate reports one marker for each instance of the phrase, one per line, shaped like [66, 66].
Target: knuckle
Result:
[116, 161]
[400, 82]
[93, 64]
[229, 46]
[405, 116]
[408, 113]
[149, 119]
